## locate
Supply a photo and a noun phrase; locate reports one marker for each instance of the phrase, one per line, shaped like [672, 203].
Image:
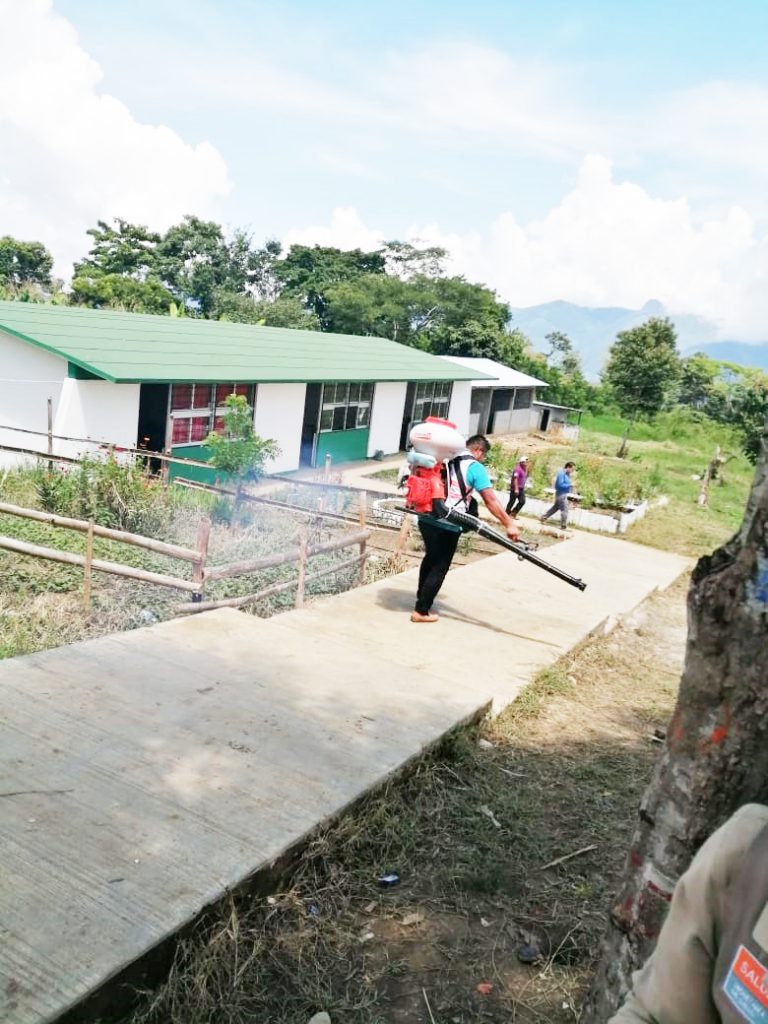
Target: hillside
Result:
[594, 329]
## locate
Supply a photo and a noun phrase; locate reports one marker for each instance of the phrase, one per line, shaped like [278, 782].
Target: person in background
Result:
[563, 487]
[517, 487]
[466, 475]
[710, 965]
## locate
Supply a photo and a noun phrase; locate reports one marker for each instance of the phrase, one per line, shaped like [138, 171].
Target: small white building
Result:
[134, 380]
[504, 405]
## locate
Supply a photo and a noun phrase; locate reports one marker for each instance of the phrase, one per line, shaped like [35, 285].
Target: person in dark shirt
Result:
[517, 487]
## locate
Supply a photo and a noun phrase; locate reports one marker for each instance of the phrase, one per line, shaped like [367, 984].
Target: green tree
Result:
[749, 412]
[116, 291]
[309, 271]
[239, 453]
[283, 311]
[24, 263]
[643, 371]
[120, 248]
[404, 260]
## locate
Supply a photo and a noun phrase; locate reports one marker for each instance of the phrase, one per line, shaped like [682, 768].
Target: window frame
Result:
[212, 411]
[342, 400]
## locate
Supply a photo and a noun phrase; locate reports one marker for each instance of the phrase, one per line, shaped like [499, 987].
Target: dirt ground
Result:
[471, 833]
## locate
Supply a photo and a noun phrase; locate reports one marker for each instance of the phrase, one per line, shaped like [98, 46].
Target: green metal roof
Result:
[139, 348]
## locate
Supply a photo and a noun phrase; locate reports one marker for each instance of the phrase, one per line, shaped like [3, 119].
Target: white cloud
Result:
[346, 230]
[606, 243]
[72, 154]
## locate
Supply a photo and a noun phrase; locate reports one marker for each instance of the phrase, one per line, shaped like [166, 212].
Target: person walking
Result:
[517, 487]
[466, 475]
[563, 485]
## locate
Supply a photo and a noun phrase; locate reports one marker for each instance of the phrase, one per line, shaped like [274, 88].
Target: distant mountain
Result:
[593, 330]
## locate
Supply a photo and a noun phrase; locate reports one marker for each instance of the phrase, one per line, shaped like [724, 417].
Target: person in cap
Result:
[517, 487]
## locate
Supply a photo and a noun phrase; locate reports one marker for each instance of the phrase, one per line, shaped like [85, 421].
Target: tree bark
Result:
[621, 453]
[716, 754]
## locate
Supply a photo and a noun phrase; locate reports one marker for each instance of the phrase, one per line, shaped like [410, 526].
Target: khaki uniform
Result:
[710, 965]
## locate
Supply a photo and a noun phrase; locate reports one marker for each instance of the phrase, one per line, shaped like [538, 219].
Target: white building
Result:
[503, 405]
[134, 380]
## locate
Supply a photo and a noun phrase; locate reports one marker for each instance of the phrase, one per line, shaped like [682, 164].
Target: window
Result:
[432, 399]
[523, 398]
[346, 406]
[197, 409]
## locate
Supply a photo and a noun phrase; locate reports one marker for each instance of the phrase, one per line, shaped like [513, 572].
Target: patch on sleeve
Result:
[760, 934]
[746, 986]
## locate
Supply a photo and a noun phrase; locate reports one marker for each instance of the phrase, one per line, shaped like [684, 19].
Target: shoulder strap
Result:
[456, 463]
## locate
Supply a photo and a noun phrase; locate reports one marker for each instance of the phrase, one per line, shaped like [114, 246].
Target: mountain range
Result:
[593, 329]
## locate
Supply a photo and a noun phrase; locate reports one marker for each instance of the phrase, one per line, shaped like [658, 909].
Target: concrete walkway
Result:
[144, 774]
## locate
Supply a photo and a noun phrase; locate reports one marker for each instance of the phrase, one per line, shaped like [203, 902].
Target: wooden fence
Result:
[201, 572]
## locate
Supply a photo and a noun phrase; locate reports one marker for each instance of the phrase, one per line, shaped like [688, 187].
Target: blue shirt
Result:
[562, 483]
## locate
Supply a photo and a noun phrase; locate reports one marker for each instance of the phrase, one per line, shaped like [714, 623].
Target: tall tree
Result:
[716, 754]
[404, 260]
[118, 291]
[643, 370]
[309, 271]
[120, 248]
[24, 263]
[195, 260]
[284, 311]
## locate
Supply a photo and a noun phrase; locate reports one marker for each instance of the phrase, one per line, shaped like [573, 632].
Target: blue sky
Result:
[593, 151]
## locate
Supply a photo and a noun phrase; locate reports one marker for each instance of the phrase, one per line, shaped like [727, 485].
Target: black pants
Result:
[515, 503]
[440, 547]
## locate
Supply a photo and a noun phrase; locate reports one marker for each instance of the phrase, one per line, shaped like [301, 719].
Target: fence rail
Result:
[201, 575]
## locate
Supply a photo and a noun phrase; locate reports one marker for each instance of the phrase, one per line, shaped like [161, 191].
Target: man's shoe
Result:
[429, 617]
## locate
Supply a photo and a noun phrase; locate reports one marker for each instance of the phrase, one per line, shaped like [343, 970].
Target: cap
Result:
[523, 458]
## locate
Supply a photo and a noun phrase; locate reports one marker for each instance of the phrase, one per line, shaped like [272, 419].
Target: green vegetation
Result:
[642, 371]
[672, 451]
[238, 453]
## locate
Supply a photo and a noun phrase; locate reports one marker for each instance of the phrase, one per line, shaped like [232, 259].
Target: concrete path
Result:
[144, 774]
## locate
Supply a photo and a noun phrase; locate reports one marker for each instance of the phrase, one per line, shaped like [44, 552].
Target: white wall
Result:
[279, 415]
[98, 410]
[29, 376]
[387, 417]
[460, 401]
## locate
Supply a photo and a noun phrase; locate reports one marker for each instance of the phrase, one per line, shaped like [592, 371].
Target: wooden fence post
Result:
[303, 544]
[403, 535]
[363, 508]
[198, 567]
[50, 434]
[88, 569]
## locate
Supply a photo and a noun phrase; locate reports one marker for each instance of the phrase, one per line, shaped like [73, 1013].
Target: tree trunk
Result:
[709, 474]
[716, 755]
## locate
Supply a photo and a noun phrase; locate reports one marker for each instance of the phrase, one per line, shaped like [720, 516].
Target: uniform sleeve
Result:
[675, 986]
[477, 477]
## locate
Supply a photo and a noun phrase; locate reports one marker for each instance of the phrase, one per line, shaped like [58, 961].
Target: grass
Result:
[676, 448]
[40, 600]
[561, 769]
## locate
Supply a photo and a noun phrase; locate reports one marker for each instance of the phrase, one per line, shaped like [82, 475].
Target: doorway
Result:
[153, 417]
[309, 424]
[544, 420]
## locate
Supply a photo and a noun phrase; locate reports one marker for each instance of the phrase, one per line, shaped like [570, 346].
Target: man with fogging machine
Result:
[466, 475]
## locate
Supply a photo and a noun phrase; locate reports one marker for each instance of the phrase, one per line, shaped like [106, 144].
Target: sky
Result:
[604, 152]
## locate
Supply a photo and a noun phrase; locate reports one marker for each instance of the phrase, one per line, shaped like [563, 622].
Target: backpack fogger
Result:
[436, 443]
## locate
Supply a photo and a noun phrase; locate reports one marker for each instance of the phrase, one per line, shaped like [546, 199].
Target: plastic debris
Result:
[528, 954]
[484, 923]
[146, 617]
[389, 880]
[410, 919]
[485, 988]
[370, 907]
[320, 1018]
[314, 910]
[485, 744]
[486, 810]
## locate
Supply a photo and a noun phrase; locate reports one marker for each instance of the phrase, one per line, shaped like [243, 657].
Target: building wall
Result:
[28, 378]
[458, 413]
[98, 410]
[387, 417]
[279, 414]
